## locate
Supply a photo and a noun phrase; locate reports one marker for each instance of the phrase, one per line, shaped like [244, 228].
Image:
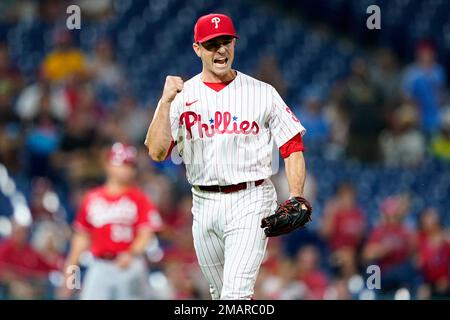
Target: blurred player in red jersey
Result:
[115, 221]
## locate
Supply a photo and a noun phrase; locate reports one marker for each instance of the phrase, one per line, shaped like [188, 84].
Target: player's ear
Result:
[196, 48]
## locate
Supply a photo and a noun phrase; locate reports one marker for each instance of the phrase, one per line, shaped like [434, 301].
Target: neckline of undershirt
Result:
[217, 86]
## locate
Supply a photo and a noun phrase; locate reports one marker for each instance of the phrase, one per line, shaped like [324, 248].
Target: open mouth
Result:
[221, 61]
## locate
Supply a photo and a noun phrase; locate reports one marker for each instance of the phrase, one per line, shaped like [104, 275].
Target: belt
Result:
[107, 256]
[230, 188]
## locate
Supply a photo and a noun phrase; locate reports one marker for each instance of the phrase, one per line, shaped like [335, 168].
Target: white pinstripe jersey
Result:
[226, 137]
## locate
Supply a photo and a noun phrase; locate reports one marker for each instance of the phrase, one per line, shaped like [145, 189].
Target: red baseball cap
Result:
[213, 25]
[121, 154]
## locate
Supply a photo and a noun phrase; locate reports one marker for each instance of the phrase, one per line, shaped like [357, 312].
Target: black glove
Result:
[293, 214]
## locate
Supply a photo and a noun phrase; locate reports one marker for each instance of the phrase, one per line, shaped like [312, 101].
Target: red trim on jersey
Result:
[293, 145]
[172, 144]
[217, 86]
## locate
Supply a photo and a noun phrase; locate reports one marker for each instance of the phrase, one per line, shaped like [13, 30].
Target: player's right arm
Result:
[159, 138]
[80, 242]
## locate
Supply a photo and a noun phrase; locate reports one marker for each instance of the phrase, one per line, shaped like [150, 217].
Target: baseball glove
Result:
[289, 216]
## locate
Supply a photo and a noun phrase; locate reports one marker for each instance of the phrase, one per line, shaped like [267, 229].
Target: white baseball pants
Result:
[106, 281]
[228, 240]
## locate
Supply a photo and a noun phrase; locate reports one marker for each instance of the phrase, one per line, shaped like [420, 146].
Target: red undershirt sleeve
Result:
[293, 145]
[172, 144]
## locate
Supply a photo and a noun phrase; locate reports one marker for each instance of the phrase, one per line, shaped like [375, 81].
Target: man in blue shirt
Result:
[424, 82]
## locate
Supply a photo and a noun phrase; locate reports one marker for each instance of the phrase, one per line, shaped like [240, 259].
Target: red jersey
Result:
[435, 259]
[398, 238]
[348, 226]
[113, 220]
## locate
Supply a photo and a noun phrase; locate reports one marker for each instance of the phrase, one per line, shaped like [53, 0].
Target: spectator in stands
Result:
[42, 95]
[79, 165]
[363, 104]
[99, 10]
[133, 118]
[65, 60]
[11, 80]
[10, 84]
[385, 74]
[11, 128]
[41, 208]
[79, 133]
[339, 121]
[343, 225]
[11, 145]
[338, 290]
[23, 270]
[403, 145]
[7, 114]
[269, 72]
[314, 120]
[309, 273]
[424, 81]
[42, 141]
[49, 239]
[106, 72]
[279, 282]
[81, 139]
[390, 245]
[9, 121]
[440, 142]
[49, 11]
[433, 256]
[182, 282]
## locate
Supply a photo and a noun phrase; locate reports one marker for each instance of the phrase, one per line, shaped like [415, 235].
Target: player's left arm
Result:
[287, 132]
[296, 173]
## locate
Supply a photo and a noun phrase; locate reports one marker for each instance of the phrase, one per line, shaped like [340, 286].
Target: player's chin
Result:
[221, 69]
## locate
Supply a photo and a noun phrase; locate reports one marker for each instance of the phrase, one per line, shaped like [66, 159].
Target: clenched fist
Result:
[172, 86]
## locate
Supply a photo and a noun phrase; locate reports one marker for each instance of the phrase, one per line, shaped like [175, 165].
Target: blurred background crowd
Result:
[375, 104]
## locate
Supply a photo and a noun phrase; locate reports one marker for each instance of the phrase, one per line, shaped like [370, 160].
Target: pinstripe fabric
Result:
[228, 240]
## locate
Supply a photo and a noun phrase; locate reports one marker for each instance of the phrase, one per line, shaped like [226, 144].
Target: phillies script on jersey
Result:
[221, 124]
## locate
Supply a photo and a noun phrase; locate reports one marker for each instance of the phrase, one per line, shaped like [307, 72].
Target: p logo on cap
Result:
[213, 25]
[216, 20]
[121, 154]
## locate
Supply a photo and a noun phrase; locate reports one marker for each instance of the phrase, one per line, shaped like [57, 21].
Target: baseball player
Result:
[224, 123]
[115, 221]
